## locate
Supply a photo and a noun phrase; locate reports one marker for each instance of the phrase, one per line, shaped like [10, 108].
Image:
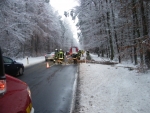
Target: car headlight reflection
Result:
[29, 92]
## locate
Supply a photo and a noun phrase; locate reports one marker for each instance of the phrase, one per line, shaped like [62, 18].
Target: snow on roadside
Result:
[111, 89]
[127, 63]
[31, 60]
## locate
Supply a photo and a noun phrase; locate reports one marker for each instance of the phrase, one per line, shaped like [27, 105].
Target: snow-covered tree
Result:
[29, 28]
[115, 28]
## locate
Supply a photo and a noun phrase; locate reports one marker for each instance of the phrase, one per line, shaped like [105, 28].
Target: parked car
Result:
[12, 67]
[15, 95]
[50, 56]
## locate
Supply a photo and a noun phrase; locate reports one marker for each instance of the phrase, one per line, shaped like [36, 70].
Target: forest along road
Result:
[51, 88]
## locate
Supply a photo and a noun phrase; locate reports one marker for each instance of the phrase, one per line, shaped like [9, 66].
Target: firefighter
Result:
[79, 54]
[74, 57]
[82, 52]
[56, 55]
[61, 55]
[87, 53]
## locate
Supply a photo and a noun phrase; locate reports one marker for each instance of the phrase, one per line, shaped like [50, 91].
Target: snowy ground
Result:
[112, 89]
[31, 60]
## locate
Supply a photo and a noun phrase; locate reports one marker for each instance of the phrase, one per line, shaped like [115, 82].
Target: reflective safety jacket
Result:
[61, 55]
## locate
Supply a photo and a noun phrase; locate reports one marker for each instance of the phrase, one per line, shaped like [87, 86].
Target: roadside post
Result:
[85, 56]
[27, 60]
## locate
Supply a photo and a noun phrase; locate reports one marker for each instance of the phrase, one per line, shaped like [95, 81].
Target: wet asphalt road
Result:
[51, 88]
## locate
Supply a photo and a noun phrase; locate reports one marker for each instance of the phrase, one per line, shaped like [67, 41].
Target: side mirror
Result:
[14, 61]
[2, 75]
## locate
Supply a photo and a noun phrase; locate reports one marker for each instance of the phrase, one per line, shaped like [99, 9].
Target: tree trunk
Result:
[116, 38]
[109, 33]
[134, 30]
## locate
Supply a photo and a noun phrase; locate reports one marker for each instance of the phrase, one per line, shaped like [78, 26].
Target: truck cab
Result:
[15, 95]
[74, 53]
[73, 50]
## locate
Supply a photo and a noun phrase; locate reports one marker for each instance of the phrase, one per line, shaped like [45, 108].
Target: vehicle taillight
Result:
[2, 86]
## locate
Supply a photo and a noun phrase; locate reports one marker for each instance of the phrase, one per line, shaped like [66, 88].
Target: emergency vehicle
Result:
[73, 52]
[15, 95]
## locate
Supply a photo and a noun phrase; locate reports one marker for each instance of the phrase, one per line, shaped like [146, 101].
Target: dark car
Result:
[12, 67]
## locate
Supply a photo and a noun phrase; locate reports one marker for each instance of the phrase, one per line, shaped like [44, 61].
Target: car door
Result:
[9, 65]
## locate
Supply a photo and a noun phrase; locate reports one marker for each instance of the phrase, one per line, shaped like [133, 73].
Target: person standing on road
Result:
[79, 54]
[56, 55]
[61, 55]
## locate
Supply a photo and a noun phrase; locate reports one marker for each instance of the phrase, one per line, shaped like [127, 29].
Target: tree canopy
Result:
[30, 28]
[115, 28]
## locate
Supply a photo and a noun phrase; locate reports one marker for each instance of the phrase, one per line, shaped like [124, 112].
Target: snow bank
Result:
[111, 89]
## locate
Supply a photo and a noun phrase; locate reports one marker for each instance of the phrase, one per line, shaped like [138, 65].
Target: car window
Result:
[7, 60]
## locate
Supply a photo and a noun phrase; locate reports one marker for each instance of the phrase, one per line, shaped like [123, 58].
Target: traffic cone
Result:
[47, 65]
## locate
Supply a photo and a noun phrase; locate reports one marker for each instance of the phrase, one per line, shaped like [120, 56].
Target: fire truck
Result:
[15, 95]
[73, 52]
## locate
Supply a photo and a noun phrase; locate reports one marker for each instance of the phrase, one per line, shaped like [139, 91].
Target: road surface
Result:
[51, 88]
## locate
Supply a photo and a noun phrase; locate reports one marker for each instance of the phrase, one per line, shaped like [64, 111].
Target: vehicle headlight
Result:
[29, 92]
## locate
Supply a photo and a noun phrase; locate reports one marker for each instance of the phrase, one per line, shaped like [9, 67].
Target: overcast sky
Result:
[66, 5]
[63, 5]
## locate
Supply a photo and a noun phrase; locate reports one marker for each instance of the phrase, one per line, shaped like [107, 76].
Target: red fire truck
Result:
[74, 53]
[73, 50]
[15, 95]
